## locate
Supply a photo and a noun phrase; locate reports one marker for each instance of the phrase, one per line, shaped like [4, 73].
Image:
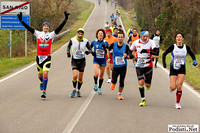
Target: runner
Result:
[112, 27]
[99, 61]
[115, 32]
[44, 45]
[110, 39]
[134, 36]
[107, 26]
[120, 28]
[99, 2]
[130, 31]
[120, 55]
[157, 38]
[144, 49]
[131, 39]
[78, 62]
[177, 65]
[112, 17]
[115, 5]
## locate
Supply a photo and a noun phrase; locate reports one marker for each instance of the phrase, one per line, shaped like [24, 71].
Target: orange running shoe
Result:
[120, 97]
[112, 87]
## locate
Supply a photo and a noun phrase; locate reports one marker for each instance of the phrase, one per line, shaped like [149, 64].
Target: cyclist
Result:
[177, 66]
[157, 38]
[121, 53]
[78, 62]
[99, 60]
[110, 39]
[44, 45]
[144, 48]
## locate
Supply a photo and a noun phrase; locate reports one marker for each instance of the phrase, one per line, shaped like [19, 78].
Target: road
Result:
[23, 111]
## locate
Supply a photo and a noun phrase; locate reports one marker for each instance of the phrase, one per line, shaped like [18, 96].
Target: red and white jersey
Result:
[44, 42]
[144, 59]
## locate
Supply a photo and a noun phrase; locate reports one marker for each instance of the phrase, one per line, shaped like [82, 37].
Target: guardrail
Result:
[61, 34]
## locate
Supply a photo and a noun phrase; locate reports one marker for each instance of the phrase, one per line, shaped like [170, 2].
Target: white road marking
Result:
[14, 74]
[78, 114]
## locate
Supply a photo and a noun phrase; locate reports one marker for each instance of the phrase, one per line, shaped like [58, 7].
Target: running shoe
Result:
[155, 66]
[41, 86]
[109, 80]
[99, 91]
[95, 87]
[177, 106]
[120, 97]
[43, 95]
[143, 103]
[112, 87]
[73, 93]
[79, 94]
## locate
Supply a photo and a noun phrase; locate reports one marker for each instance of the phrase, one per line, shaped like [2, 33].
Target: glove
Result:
[87, 52]
[94, 53]
[68, 55]
[194, 63]
[20, 16]
[164, 65]
[143, 51]
[66, 15]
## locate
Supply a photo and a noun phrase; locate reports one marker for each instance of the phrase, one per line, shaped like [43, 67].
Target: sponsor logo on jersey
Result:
[44, 45]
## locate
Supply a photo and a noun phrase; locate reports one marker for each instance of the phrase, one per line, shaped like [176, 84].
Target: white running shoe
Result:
[109, 80]
[177, 106]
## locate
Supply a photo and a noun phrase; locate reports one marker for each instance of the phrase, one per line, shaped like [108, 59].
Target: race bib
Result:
[141, 62]
[100, 53]
[42, 59]
[178, 63]
[79, 54]
[119, 60]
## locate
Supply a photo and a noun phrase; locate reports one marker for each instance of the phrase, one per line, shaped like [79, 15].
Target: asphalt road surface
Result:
[23, 111]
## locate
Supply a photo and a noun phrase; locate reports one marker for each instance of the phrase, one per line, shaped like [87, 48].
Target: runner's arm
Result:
[109, 49]
[161, 39]
[152, 36]
[69, 46]
[63, 23]
[169, 50]
[88, 47]
[24, 24]
[129, 53]
[190, 53]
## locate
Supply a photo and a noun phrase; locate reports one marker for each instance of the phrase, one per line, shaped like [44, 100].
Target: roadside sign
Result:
[135, 18]
[9, 11]
[14, 7]
[12, 22]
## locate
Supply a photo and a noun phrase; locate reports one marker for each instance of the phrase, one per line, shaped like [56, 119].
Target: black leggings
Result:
[119, 71]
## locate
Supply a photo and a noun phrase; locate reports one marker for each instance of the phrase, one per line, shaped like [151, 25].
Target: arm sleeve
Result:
[88, 47]
[128, 52]
[190, 52]
[111, 47]
[60, 26]
[128, 32]
[129, 39]
[161, 39]
[152, 36]
[169, 50]
[28, 27]
[69, 46]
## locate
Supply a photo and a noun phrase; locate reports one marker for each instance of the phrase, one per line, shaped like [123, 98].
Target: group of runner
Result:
[111, 53]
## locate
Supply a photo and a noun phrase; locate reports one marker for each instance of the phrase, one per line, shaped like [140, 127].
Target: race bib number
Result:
[42, 59]
[141, 62]
[79, 54]
[100, 53]
[119, 60]
[178, 63]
